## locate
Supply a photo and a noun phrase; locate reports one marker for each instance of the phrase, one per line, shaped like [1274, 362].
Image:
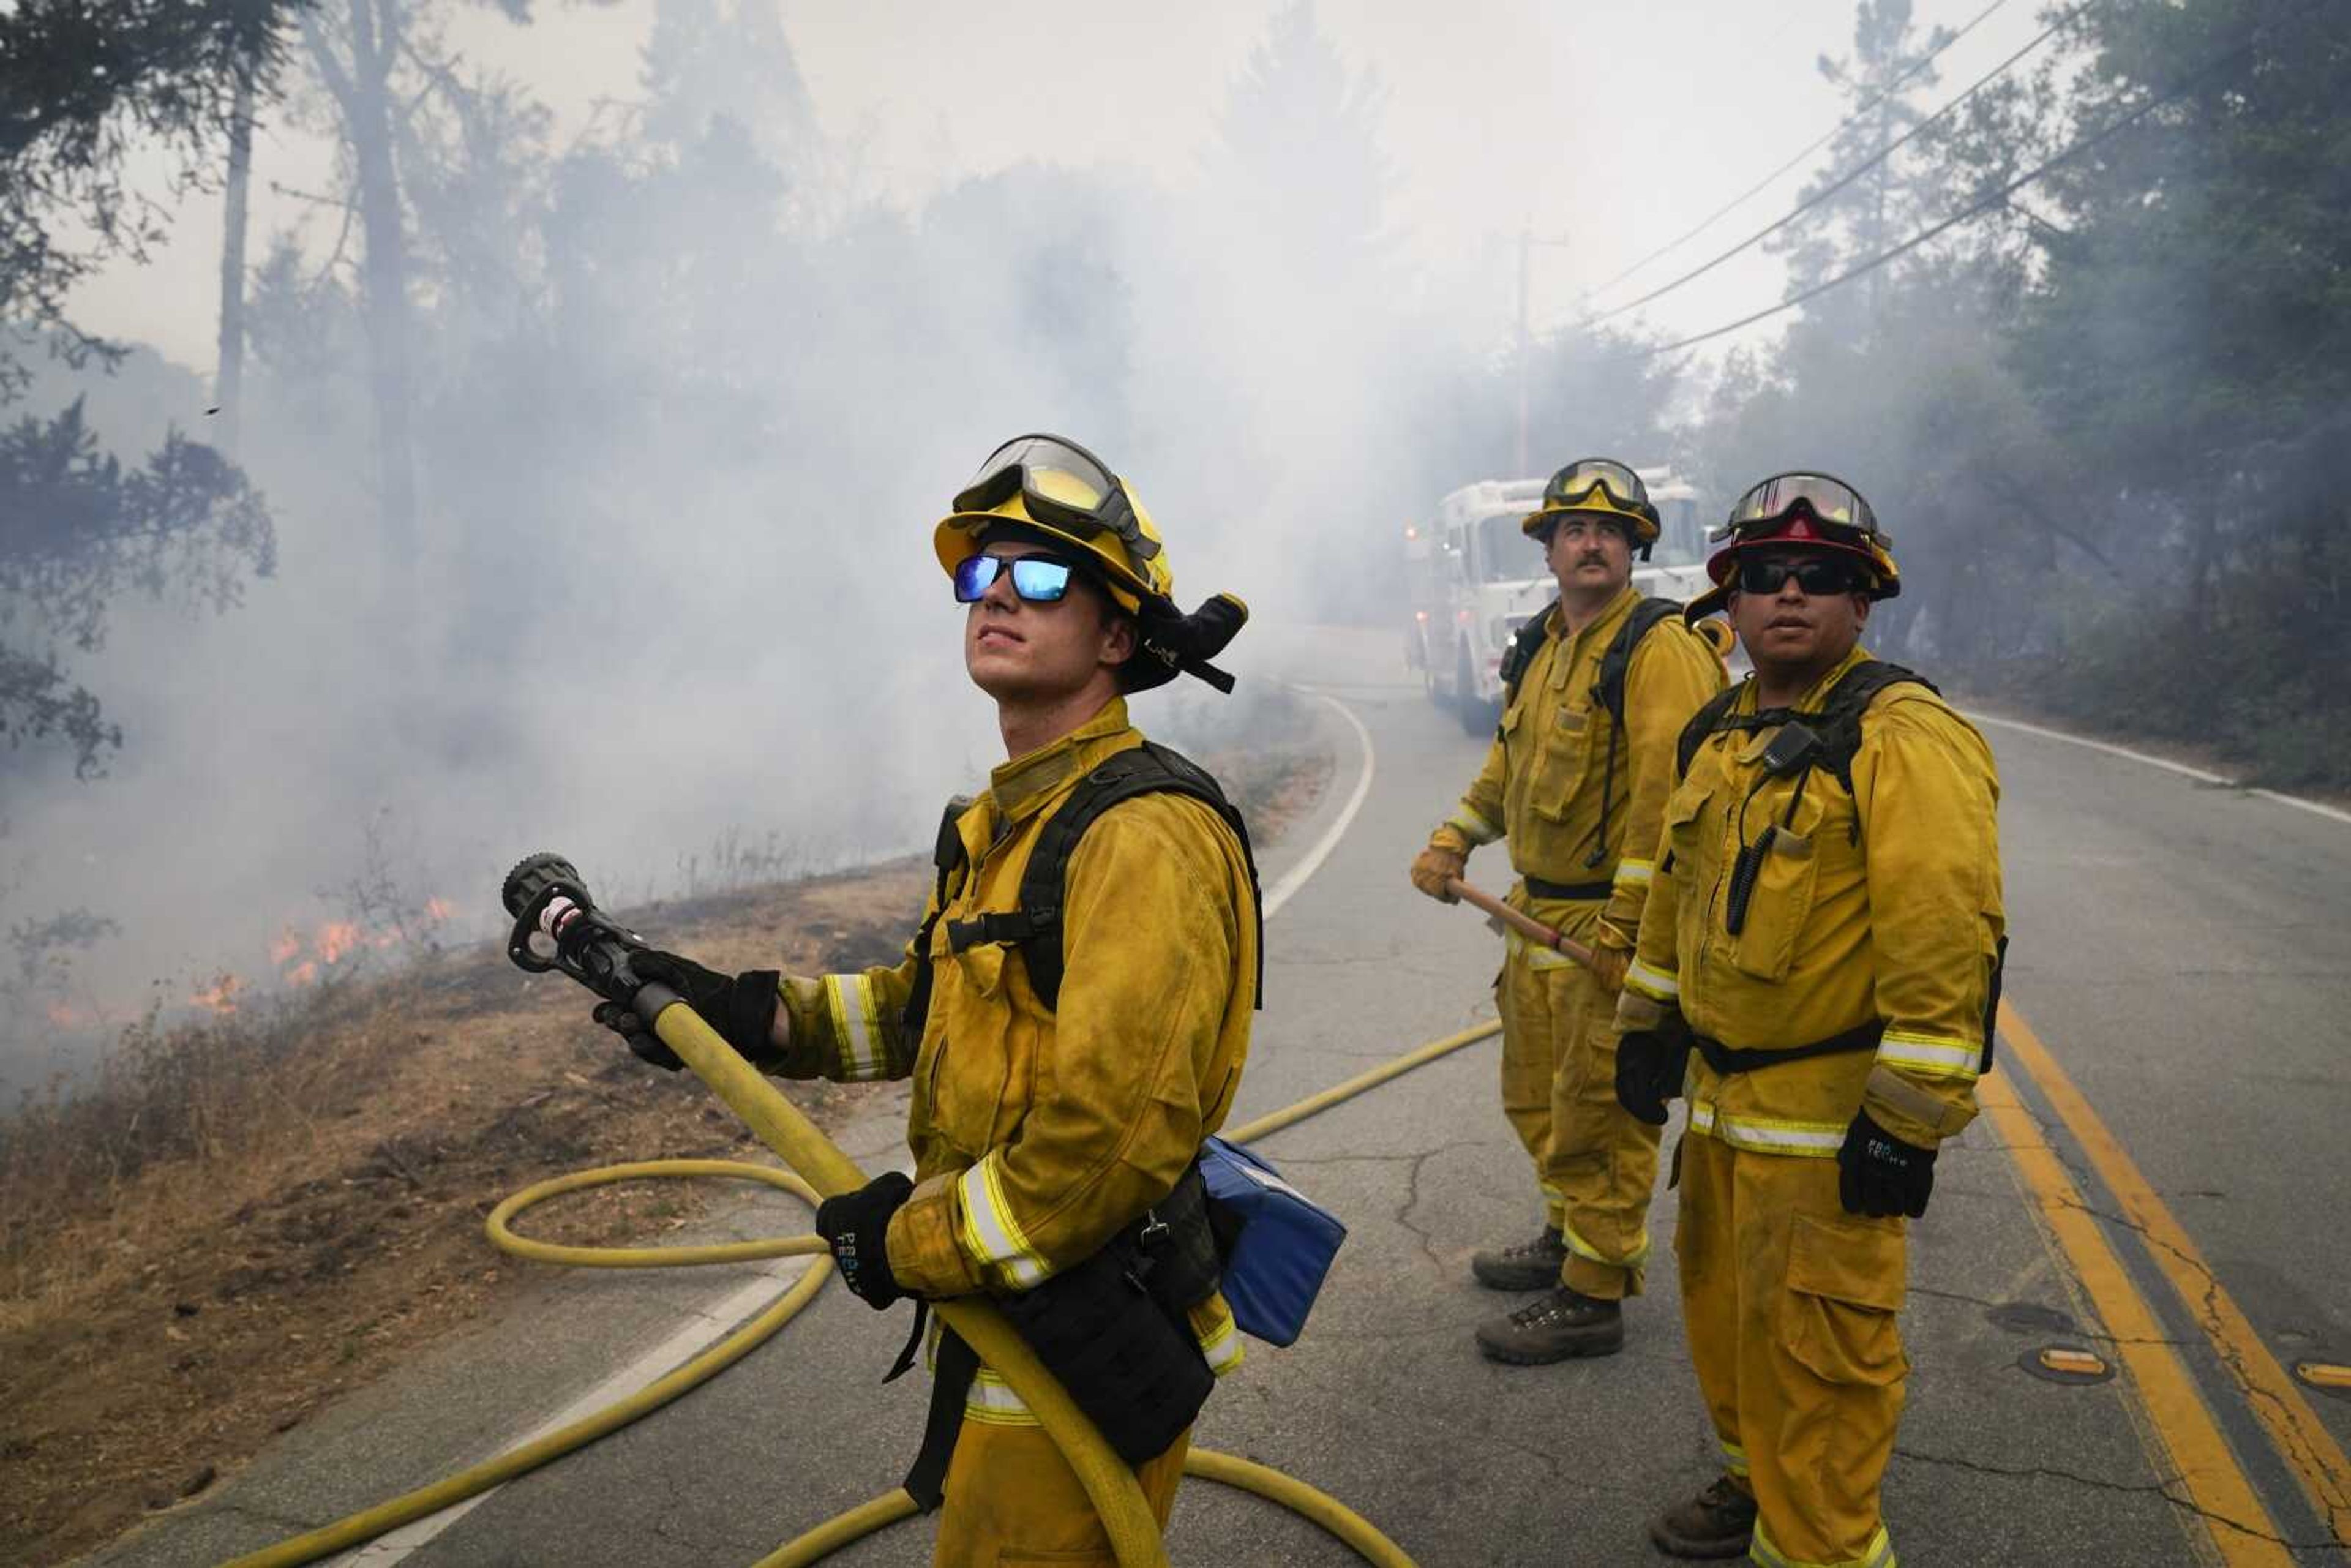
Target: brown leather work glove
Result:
[1433, 866]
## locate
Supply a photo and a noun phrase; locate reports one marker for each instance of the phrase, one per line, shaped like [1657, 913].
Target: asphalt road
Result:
[2164, 1187]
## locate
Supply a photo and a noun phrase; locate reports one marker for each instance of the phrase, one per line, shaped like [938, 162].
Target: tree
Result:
[77, 531]
[83, 83]
[1888, 66]
[2190, 340]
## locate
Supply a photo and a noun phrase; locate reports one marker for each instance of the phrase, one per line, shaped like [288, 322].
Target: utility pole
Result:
[1526, 257]
[1527, 243]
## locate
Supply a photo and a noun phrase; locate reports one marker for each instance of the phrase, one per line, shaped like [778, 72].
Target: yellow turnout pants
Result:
[1012, 1499]
[1790, 1305]
[1594, 1163]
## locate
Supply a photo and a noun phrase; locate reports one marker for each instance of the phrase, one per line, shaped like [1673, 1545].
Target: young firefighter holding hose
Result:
[1818, 972]
[1597, 688]
[1074, 1012]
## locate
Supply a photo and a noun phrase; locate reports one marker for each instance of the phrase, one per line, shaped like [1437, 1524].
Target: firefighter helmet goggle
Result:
[1598, 486]
[1835, 507]
[1062, 485]
[1573, 484]
[1037, 579]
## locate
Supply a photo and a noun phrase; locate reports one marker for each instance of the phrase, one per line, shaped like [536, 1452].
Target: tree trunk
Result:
[229, 378]
[375, 40]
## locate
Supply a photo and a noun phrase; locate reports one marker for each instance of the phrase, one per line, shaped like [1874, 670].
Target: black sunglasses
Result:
[1037, 579]
[1818, 576]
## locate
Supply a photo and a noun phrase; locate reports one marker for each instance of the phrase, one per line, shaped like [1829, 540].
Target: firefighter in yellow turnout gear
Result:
[1815, 973]
[1063, 1078]
[1598, 688]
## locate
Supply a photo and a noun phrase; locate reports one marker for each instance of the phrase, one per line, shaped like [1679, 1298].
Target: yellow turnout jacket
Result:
[1036, 1134]
[1878, 905]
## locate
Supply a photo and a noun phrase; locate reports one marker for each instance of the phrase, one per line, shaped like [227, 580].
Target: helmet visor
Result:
[1576, 482]
[1061, 483]
[1831, 503]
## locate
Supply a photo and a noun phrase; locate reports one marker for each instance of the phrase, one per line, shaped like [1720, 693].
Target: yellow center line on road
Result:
[2215, 1485]
[2308, 1448]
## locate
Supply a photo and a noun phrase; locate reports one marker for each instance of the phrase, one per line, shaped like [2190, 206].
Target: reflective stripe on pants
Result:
[1790, 1306]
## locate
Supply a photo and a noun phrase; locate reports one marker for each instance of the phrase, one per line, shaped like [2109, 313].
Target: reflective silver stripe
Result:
[1654, 984]
[1582, 1249]
[1734, 1458]
[1812, 1140]
[1634, 873]
[990, 1234]
[1474, 828]
[856, 1025]
[1537, 956]
[1935, 1055]
[1878, 1553]
[990, 1399]
[1223, 1346]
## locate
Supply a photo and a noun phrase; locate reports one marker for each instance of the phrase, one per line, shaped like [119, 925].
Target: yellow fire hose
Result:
[825, 1170]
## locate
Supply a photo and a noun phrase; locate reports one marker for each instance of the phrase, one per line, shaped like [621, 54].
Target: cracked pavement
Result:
[1384, 1402]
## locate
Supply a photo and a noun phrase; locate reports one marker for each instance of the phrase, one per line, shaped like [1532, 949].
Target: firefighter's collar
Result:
[1020, 785]
[1815, 697]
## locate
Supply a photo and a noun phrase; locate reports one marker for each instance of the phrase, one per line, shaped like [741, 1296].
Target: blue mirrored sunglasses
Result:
[1037, 579]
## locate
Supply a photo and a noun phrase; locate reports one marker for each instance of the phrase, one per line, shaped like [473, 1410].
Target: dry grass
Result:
[241, 1221]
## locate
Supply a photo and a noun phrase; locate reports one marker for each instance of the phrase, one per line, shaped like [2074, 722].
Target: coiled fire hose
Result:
[545, 895]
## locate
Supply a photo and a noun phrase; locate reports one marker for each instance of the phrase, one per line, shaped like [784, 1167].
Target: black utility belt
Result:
[1115, 1333]
[1571, 890]
[1727, 1059]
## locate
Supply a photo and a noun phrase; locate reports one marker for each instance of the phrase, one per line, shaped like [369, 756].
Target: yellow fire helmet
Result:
[1601, 487]
[1054, 490]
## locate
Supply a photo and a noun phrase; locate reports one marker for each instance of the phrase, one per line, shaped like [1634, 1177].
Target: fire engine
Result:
[1472, 578]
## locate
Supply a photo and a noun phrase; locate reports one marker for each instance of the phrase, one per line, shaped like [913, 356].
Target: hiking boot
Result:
[1529, 1266]
[1718, 1523]
[1553, 1327]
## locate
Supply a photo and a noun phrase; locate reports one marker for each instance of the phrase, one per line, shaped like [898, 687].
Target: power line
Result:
[1809, 148]
[2066, 155]
[1848, 178]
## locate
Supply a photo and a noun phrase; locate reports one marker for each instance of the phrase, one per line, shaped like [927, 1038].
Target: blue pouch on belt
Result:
[1277, 1244]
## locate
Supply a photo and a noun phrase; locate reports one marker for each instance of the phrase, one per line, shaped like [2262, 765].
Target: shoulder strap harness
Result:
[1837, 723]
[1034, 926]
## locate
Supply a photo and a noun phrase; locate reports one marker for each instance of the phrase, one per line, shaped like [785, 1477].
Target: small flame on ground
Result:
[220, 998]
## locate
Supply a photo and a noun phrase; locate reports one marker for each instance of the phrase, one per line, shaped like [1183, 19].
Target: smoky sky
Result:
[682, 440]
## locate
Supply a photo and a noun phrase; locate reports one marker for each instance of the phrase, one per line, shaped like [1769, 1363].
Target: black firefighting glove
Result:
[742, 1009]
[1878, 1173]
[856, 1225]
[1649, 1067]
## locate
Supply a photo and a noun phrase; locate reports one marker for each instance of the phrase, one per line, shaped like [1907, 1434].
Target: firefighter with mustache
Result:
[1074, 1012]
[1596, 689]
[1817, 973]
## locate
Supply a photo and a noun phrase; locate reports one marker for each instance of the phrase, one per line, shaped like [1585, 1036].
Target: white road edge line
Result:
[1308, 863]
[688, 1340]
[2334, 813]
[695, 1335]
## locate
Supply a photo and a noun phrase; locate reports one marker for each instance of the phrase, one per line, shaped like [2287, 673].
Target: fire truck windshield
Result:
[1504, 553]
